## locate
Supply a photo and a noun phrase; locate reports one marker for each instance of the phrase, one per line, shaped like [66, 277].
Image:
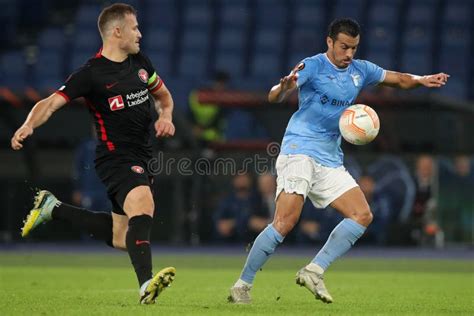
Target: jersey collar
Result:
[334, 66]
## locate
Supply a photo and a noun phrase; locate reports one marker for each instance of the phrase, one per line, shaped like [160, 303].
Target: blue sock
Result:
[343, 236]
[263, 246]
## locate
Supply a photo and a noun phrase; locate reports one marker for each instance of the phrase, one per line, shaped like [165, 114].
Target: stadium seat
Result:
[306, 41]
[162, 62]
[384, 59]
[160, 14]
[230, 62]
[193, 64]
[52, 38]
[48, 69]
[417, 62]
[383, 12]
[242, 125]
[79, 58]
[416, 54]
[235, 13]
[195, 39]
[86, 16]
[422, 13]
[265, 65]
[271, 14]
[349, 8]
[13, 69]
[86, 39]
[457, 12]
[269, 40]
[310, 14]
[381, 39]
[198, 13]
[457, 88]
[159, 39]
[231, 40]
[294, 59]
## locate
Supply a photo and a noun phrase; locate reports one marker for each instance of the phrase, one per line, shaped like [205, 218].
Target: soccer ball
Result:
[359, 124]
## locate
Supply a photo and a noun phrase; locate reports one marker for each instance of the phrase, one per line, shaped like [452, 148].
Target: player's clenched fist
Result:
[20, 135]
[164, 128]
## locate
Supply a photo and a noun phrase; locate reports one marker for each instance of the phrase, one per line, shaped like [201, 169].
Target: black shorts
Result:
[120, 174]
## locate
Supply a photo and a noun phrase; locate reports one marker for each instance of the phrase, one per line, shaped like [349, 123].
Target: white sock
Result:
[241, 283]
[143, 287]
[315, 268]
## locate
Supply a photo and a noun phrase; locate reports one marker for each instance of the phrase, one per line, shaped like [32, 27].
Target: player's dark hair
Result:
[347, 26]
[116, 11]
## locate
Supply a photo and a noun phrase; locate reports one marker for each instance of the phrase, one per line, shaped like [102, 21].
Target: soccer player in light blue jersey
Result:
[311, 160]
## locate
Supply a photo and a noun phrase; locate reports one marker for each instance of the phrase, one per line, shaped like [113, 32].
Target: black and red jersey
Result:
[117, 94]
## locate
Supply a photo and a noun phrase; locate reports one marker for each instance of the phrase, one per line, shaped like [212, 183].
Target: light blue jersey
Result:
[325, 91]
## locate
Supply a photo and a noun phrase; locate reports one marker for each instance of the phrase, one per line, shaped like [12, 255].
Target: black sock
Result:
[138, 246]
[97, 224]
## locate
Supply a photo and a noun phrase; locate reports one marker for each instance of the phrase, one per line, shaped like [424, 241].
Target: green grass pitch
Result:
[41, 283]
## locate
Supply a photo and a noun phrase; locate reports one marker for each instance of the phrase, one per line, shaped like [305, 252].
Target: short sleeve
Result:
[77, 85]
[305, 70]
[154, 81]
[373, 74]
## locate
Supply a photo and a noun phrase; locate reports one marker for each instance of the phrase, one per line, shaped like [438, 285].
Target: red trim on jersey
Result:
[99, 53]
[103, 132]
[157, 87]
[64, 95]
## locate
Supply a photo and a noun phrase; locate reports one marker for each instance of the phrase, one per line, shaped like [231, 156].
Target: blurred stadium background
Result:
[418, 172]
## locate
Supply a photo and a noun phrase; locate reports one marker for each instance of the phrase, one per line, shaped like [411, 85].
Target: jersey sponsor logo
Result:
[137, 169]
[340, 102]
[143, 75]
[136, 98]
[116, 103]
[324, 99]
[110, 85]
[356, 80]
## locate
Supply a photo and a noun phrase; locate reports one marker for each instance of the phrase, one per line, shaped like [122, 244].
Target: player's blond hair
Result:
[114, 12]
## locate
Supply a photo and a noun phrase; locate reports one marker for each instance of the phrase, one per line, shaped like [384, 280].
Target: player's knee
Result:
[284, 225]
[364, 217]
[139, 202]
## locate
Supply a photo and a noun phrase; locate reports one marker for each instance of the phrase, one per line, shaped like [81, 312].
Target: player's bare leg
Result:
[119, 231]
[288, 211]
[139, 207]
[354, 207]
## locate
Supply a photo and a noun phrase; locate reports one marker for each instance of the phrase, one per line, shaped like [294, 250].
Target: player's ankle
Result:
[314, 267]
[241, 283]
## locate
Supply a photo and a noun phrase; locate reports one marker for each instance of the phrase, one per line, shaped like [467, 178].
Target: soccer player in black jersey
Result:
[121, 89]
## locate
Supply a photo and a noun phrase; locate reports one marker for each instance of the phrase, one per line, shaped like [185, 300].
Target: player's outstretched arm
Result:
[279, 92]
[38, 115]
[408, 81]
[164, 106]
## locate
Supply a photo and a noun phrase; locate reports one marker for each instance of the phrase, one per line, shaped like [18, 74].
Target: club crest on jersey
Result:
[116, 103]
[137, 169]
[143, 75]
[356, 80]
